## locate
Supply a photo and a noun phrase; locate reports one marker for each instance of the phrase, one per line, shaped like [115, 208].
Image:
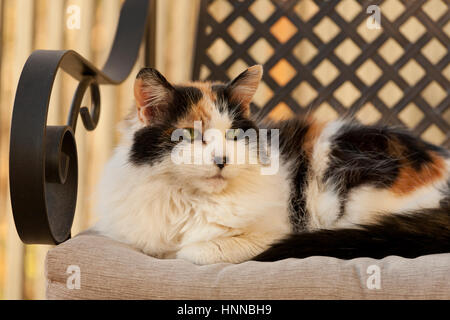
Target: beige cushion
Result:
[111, 270]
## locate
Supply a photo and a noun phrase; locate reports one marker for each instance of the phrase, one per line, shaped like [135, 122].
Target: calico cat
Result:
[339, 189]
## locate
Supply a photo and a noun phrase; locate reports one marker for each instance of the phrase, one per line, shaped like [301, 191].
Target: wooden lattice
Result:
[320, 56]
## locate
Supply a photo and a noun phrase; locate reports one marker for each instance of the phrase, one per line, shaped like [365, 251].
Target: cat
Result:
[338, 188]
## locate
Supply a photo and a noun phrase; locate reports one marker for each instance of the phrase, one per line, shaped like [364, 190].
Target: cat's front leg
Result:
[235, 249]
[232, 217]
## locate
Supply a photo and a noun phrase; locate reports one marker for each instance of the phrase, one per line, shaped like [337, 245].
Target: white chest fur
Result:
[142, 206]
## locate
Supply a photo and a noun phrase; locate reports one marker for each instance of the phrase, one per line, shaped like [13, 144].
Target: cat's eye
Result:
[233, 134]
[191, 134]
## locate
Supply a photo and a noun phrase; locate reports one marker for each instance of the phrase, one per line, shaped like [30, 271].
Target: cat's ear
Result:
[244, 86]
[153, 94]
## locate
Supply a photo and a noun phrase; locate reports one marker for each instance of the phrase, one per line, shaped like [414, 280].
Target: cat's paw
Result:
[200, 254]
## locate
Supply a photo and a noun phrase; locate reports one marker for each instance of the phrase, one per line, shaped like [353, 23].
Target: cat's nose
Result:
[220, 162]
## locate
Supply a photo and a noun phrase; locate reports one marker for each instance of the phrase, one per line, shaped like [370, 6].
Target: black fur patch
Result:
[445, 203]
[409, 236]
[363, 155]
[240, 122]
[153, 142]
[366, 155]
[292, 137]
[184, 99]
[360, 155]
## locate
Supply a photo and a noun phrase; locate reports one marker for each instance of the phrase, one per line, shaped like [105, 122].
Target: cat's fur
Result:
[342, 189]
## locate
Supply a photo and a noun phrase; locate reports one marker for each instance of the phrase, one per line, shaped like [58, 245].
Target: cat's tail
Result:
[407, 235]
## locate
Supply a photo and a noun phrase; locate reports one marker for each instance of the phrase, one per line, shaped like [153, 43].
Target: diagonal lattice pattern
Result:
[320, 56]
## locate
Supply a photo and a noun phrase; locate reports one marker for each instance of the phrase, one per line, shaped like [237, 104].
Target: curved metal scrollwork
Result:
[43, 159]
[90, 121]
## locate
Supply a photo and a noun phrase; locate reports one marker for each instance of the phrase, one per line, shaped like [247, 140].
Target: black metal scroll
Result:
[43, 159]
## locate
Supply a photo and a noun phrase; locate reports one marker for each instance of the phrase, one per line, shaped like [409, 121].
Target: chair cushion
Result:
[112, 270]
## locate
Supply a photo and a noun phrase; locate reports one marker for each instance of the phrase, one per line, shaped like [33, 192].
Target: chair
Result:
[319, 56]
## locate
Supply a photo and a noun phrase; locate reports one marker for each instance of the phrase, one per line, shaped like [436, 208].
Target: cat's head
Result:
[194, 134]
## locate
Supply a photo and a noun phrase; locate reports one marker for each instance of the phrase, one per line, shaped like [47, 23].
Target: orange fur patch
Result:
[202, 110]
[410, 179]
[312, 135]
[205, 88]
